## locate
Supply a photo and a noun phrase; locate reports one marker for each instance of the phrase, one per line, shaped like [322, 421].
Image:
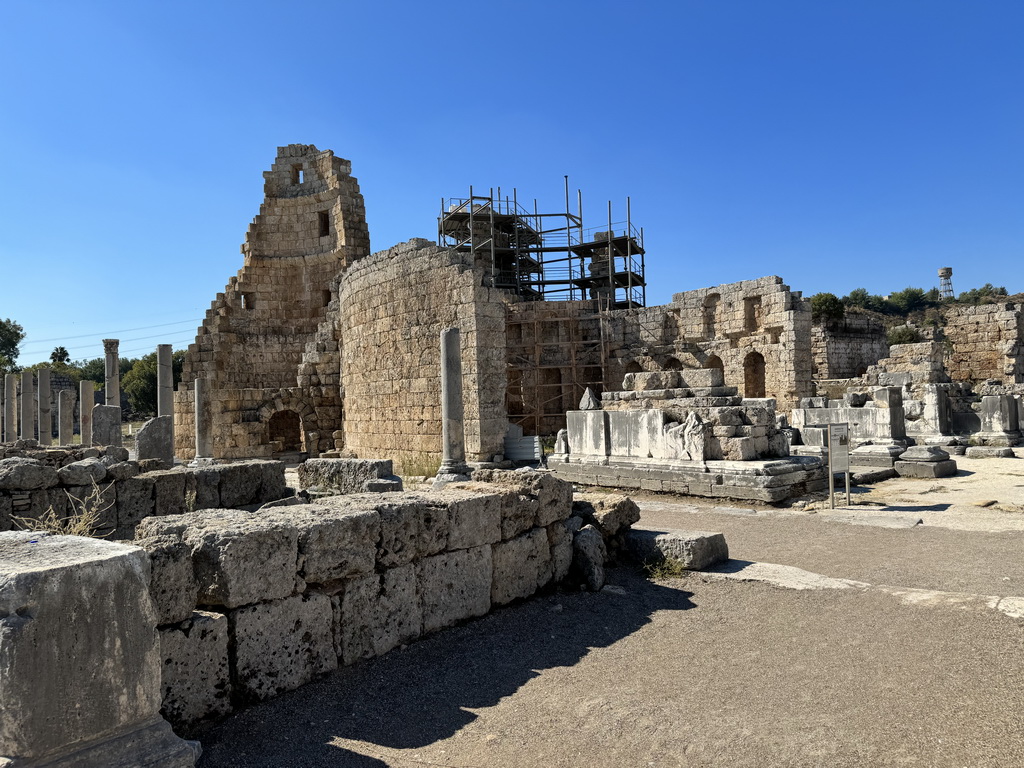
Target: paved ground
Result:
[709, 670]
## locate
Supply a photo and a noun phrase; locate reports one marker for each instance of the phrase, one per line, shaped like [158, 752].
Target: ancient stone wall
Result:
[847, 348]
[392, 307]
[311, 225]
[985, 342]
[252, 605]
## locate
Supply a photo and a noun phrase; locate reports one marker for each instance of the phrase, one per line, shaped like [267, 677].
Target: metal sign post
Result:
[838, 459]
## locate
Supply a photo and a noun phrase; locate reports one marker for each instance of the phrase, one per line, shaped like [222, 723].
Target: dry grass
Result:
[83, 521]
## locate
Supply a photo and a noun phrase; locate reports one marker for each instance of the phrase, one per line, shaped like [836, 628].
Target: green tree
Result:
[139, 382]
[902, 334]
[980, 295]
[92, 370]
[60, 356]
[858, 297]
[826, 307]
[908, 300]
[11, 336]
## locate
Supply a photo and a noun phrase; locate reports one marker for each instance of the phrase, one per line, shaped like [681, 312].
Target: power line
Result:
[83, 346]
[110, 333]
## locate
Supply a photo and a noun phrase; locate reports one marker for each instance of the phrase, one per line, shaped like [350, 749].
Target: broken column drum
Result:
[112, 373]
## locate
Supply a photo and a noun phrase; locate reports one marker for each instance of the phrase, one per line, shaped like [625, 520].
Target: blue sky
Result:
[838, 144]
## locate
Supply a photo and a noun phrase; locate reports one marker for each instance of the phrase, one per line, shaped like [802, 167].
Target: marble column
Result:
[86, 391]
[204, 424]
[165, 384]
[453, 441]
[65, 416]
[10, 407]
[28, 407]
[45, 412]
[112, 373]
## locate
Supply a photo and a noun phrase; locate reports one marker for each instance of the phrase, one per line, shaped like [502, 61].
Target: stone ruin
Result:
[685, 432]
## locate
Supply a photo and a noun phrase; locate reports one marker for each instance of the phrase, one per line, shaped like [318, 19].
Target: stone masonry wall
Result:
[393, 306]
[311, 225]
[986, 342]
[252, 605]
[847, 348]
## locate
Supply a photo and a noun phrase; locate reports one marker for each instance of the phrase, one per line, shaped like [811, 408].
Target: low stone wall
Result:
[349, 475]
[123, 494]
[254, 604]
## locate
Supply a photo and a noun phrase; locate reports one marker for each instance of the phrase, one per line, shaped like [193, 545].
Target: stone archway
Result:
[285, 427]
[753, 375]
[672, 364]
[714, 361]
[634, 367]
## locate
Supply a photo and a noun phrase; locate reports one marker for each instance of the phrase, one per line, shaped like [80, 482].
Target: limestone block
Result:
[80, 658]
[238, 558]
[333, 542]
[924, 453]
[588, 557]
[696, 550]
[106, 425]
[21, 474]
[399, 533]
[196, 678]
[560, 542]
[168, 491]
[521, 566]
[345, 475]
[945, 468]
[282, 644]
[84, 472]
[454, 586]
[202, 488]
[550, 497]
[989, 452]
[172, 581]
[378, 612]
[241, 483]
[474, 515]
[155, 440]
[612, 513]
[134, 500]
[121, 470]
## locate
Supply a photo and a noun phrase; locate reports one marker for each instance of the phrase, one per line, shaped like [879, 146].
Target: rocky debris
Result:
[989, 452]
[84, 472]
[694, 550]
[18, 474]
[589, 555]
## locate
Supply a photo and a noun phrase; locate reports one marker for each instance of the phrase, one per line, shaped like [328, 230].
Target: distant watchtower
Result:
[945, 282]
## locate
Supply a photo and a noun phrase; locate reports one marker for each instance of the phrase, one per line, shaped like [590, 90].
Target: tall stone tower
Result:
[310, 227]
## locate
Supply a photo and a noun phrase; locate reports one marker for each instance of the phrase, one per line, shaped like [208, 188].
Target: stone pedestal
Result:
[45, 414]
[26, 429]
[86, 390]
[165, 387]
[106, 425]
[65, 416]
[112, 373]
[453, 440]
[10, 407]
[80, 659]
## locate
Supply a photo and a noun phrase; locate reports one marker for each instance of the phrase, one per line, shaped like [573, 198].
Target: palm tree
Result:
[60, 356]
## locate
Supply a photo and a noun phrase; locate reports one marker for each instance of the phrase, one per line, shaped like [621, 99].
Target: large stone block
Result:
[282, 644]
[474, 515]
[343, 475]
[202, 489]
[454, 586]
[696, 550]
[84, 472]
[168, 491]
[560, 541]
[155, 440]
[612, 513]
[80, 658]
[378, 612]
[238, 558]
[240, 483]
[589, 554]
[521, 566]
[196, 677]
[172, 581]
[21, 474]
[134, 500]
[106, 425]
[945, 468]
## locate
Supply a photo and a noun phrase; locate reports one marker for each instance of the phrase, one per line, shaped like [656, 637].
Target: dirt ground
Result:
[848, 638]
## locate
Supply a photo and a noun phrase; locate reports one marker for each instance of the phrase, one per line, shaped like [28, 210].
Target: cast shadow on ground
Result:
[418, 695]
[916, 507]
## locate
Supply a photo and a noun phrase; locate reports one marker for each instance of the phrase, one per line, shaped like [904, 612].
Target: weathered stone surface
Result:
[560, 541]
[588, 557]
[172, 581]
[551, 495]
[134, 500]
[611, 512]
[399, 533]
[155, 439]
[121, 470]
[6, 509]
[106, 425]
[202, 489]
[989, 452]
[102, 499]
[80, 656]
[474, 515]
[377, 612]
[282, 644]
[344, 475]
[924, 453]
[238, 558]
[521, 566]
[333, 543]
[240, 483]
[696, 550]
[925, 468]
[21, 474]
[196, 680]
[454, 586]
[168, 491]
[82, 472]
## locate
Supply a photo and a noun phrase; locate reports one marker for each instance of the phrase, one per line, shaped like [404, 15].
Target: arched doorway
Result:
[634, 367]
[714, 361]
[672, 364]
[753, 375]
[285, 427]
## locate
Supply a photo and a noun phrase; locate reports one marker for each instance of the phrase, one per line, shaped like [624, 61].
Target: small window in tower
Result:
[327, 297]
[248, 301]
[298, 175]
[325, 223]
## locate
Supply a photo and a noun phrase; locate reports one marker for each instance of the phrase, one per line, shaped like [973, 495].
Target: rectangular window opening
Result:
[248, 301]
[325, 223]
[298, 175]
[327, 297]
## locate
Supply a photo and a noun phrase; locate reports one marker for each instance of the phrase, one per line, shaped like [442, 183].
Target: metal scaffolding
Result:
[548, 256]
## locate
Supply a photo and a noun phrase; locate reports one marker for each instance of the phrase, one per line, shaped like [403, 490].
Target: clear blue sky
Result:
[838, 144]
